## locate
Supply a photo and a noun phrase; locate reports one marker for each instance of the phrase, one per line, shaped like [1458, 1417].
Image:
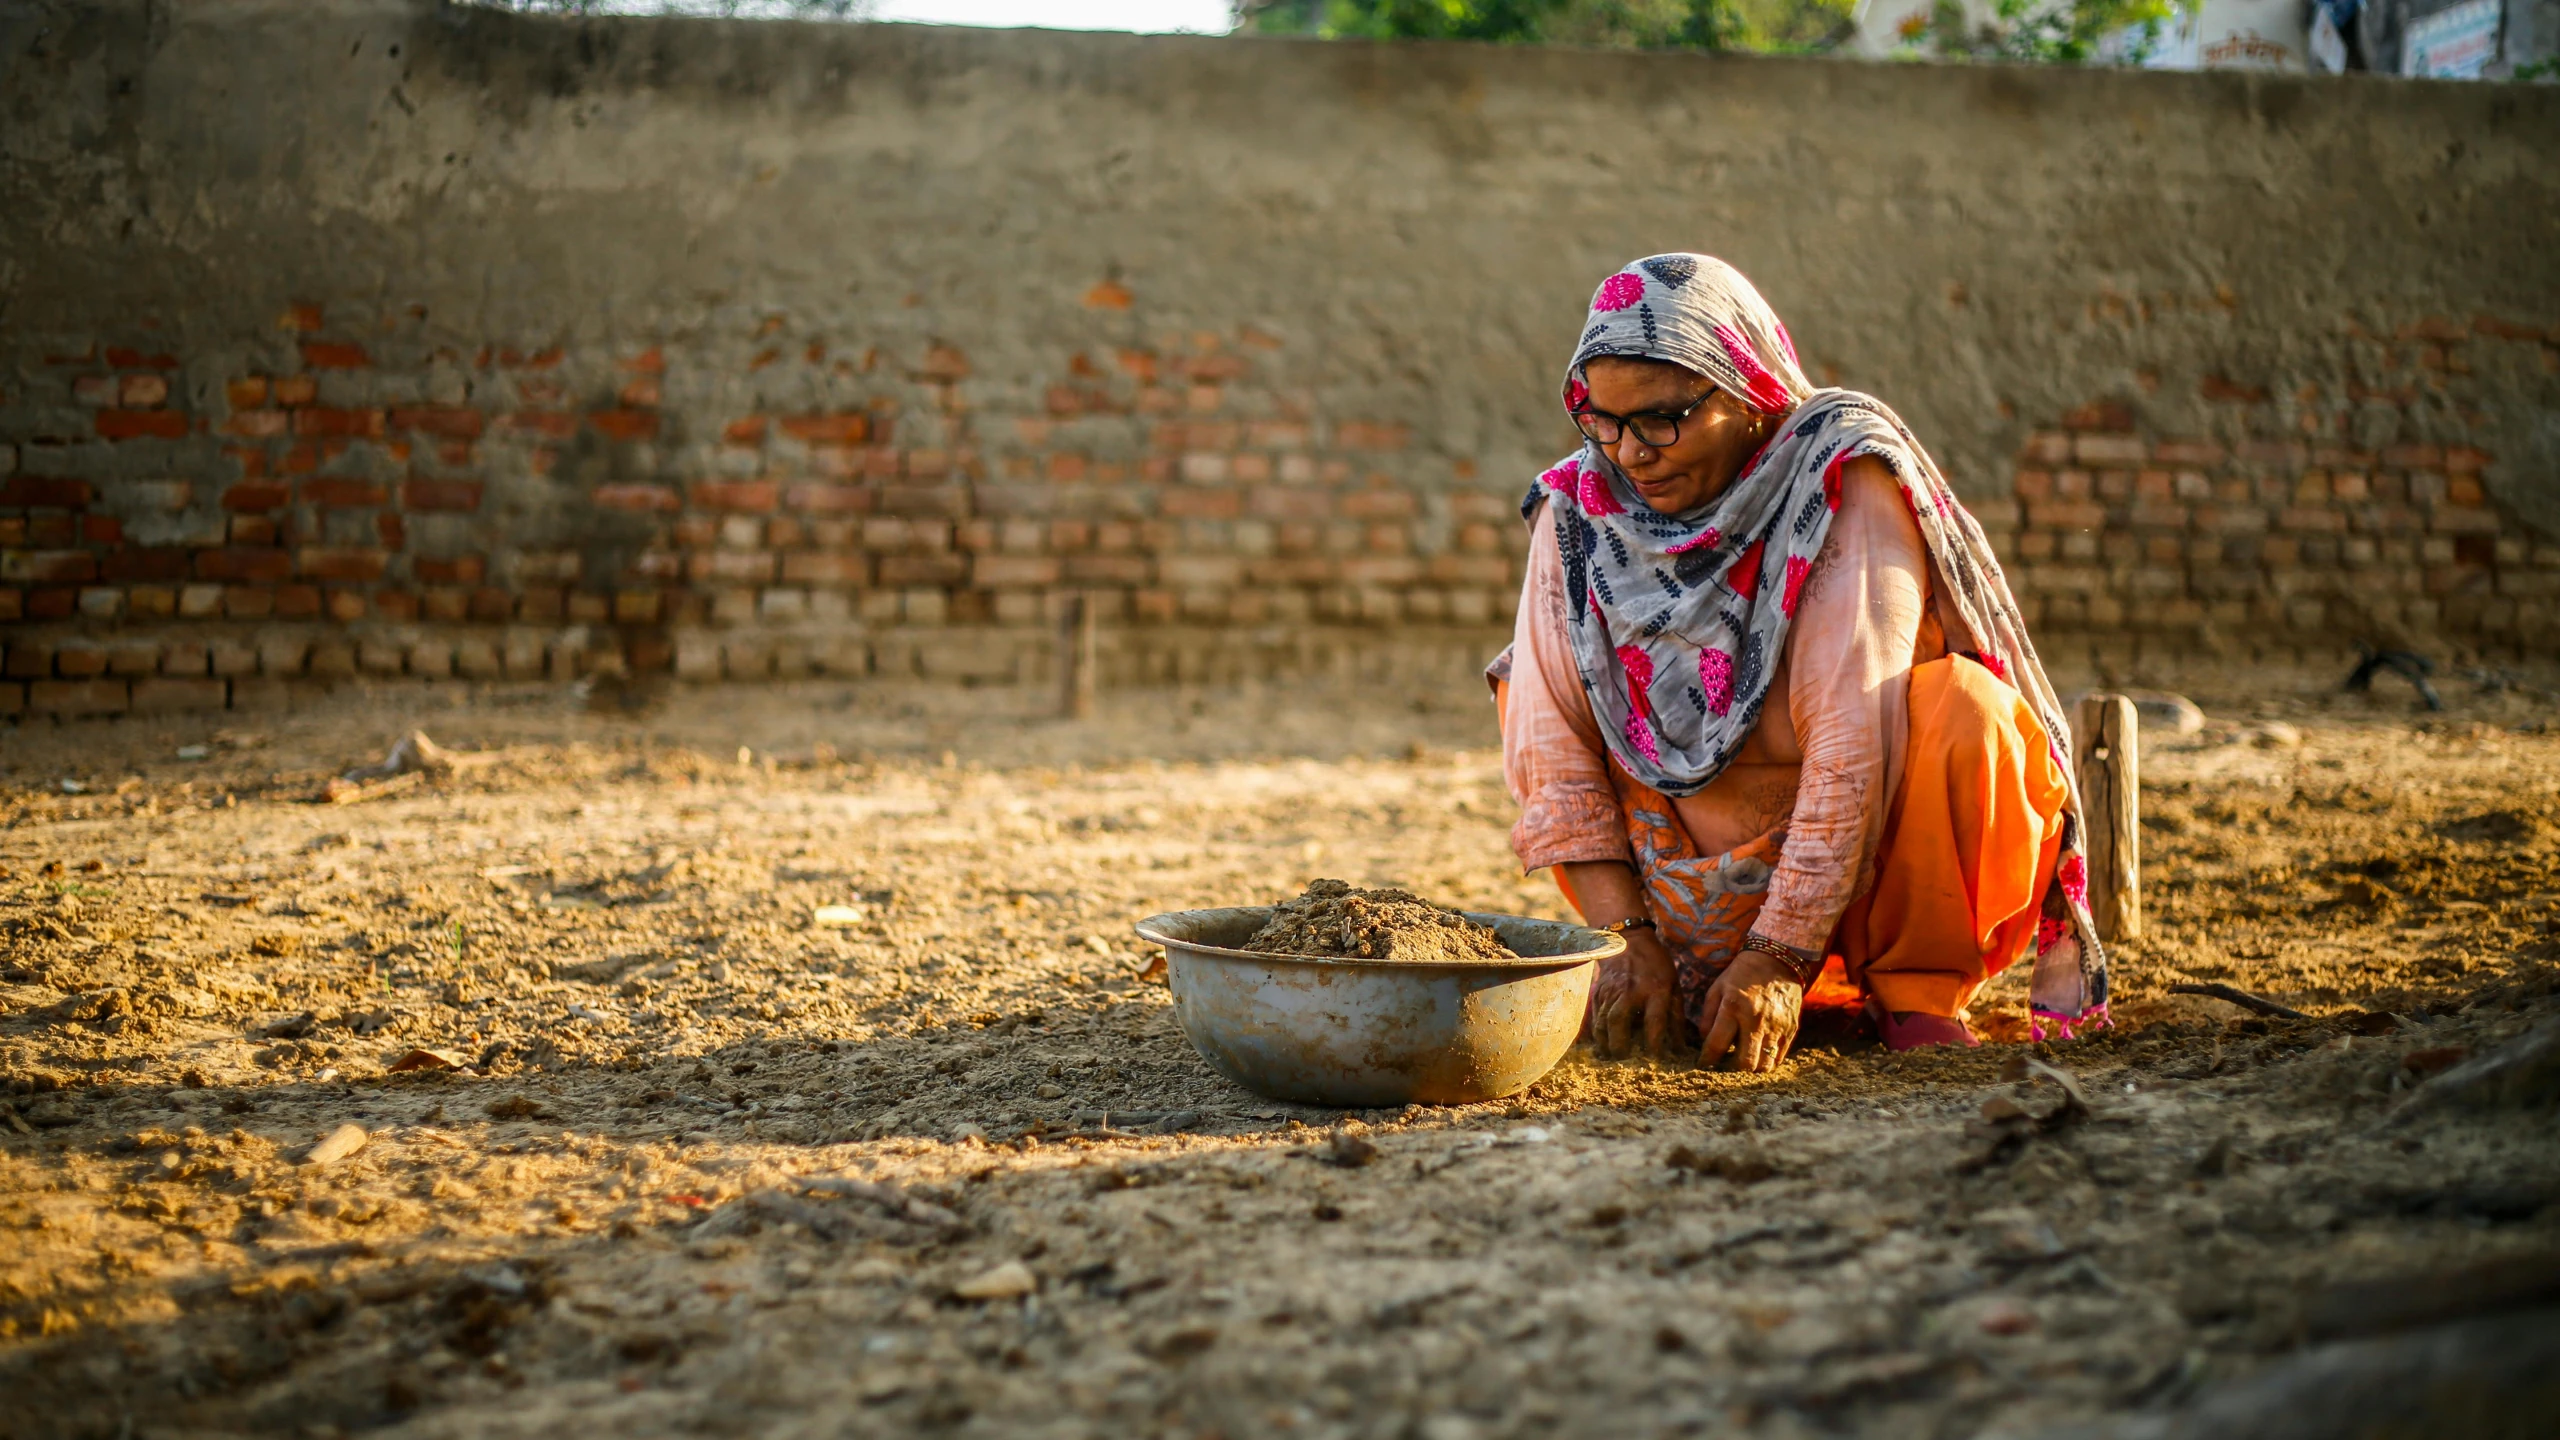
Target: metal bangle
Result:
[1803, 971]
[1632, 922]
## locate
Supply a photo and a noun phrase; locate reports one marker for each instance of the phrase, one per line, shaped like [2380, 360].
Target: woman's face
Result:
[1715, 439]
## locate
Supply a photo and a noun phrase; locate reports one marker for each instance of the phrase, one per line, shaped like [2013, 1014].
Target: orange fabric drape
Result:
[1968, 851]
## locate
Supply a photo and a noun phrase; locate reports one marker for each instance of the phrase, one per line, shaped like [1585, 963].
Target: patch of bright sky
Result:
[1207, 17]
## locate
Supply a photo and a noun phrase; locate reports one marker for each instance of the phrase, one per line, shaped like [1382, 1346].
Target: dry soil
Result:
[704, 1164]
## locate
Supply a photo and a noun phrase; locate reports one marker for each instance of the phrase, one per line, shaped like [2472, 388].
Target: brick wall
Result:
[359, 508]
[387, 340]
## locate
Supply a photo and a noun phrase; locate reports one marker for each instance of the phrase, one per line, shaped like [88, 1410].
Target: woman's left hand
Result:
[1752, 1010]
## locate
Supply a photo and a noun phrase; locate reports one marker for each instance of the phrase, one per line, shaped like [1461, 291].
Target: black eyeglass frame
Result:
[1619, 425]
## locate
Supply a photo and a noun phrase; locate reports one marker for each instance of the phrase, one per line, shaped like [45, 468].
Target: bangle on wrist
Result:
[1632, 922]
[1800, 969]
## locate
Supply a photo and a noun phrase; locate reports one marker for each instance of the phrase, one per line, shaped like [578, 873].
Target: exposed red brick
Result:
[428, 494]
[295, 602]
[2433, 327]
[294, 390]
[944, 364]
[652, 361]
[2504, 329]
[624, 424]
[2100, 415]
[78, 697]
[143, 392]
[45, 491]
[453, 422]
[1106, 569]
[994, 572]
[2215, 387]
[338, 424]
[246, 394]
[141, 424]
[101, 529]
[162, 695]
[558, 424]
[244, 564]
[395, 605]
[808, 567]
[641, 392]
[126, 358]
[334, 355]
[734, 566]
[2067, 515]
[254, 496]
[40, 567]
[2410, 457]
[339, 493]
[2464, 460]
[752, 496]
[1184, 502]
[145, 562]
[305, 318]
[454, 570]
[1379, 505]
[827, 429]
[923, 569]
[258, 424]
[637, 497]
[830, 499]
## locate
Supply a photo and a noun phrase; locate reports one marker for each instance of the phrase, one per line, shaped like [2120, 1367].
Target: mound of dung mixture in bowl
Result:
[1333, 919]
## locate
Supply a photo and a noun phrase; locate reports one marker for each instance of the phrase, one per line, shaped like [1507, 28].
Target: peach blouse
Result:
[1825, 763]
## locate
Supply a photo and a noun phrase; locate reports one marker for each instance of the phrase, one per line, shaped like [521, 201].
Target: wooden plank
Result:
[1076, 657]
[2107, 756]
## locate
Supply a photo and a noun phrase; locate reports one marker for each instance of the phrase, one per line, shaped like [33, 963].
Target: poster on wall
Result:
[2232, 35]
[2455, 44]
[2253, 35]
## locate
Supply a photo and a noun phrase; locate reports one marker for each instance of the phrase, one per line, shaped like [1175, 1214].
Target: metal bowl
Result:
[1326, 1031]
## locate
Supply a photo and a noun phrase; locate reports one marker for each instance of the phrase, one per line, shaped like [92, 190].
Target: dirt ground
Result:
[943, 1163]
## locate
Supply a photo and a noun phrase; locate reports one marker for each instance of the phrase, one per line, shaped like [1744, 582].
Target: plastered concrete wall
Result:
[403, 339]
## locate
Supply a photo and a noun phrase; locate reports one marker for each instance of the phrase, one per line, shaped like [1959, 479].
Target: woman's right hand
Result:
[1633, 995]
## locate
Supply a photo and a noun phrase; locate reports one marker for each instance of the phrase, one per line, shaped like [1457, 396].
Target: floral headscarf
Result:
[1677, 621]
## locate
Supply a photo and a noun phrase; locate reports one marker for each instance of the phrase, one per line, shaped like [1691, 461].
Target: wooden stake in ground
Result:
[1076, 657]
[2106, 747]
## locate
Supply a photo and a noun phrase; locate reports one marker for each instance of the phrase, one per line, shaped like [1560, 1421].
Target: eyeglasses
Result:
[1657, 428]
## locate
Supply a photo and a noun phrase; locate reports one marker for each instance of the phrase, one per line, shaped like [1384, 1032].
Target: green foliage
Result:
[2054, 32]
[1762, 25]
[716, 9]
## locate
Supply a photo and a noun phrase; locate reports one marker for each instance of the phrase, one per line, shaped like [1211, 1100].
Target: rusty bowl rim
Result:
[1610, 943]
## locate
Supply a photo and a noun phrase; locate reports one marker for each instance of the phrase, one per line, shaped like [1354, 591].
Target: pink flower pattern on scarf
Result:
[1798, 567]
[1762, 388]
[1715, 681]
[1619, 291]
[1639, 668]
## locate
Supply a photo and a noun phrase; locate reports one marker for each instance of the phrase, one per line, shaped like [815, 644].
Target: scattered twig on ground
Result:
[2215, 989]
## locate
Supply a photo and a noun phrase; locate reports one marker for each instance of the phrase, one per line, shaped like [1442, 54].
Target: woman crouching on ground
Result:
[1770, 700]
